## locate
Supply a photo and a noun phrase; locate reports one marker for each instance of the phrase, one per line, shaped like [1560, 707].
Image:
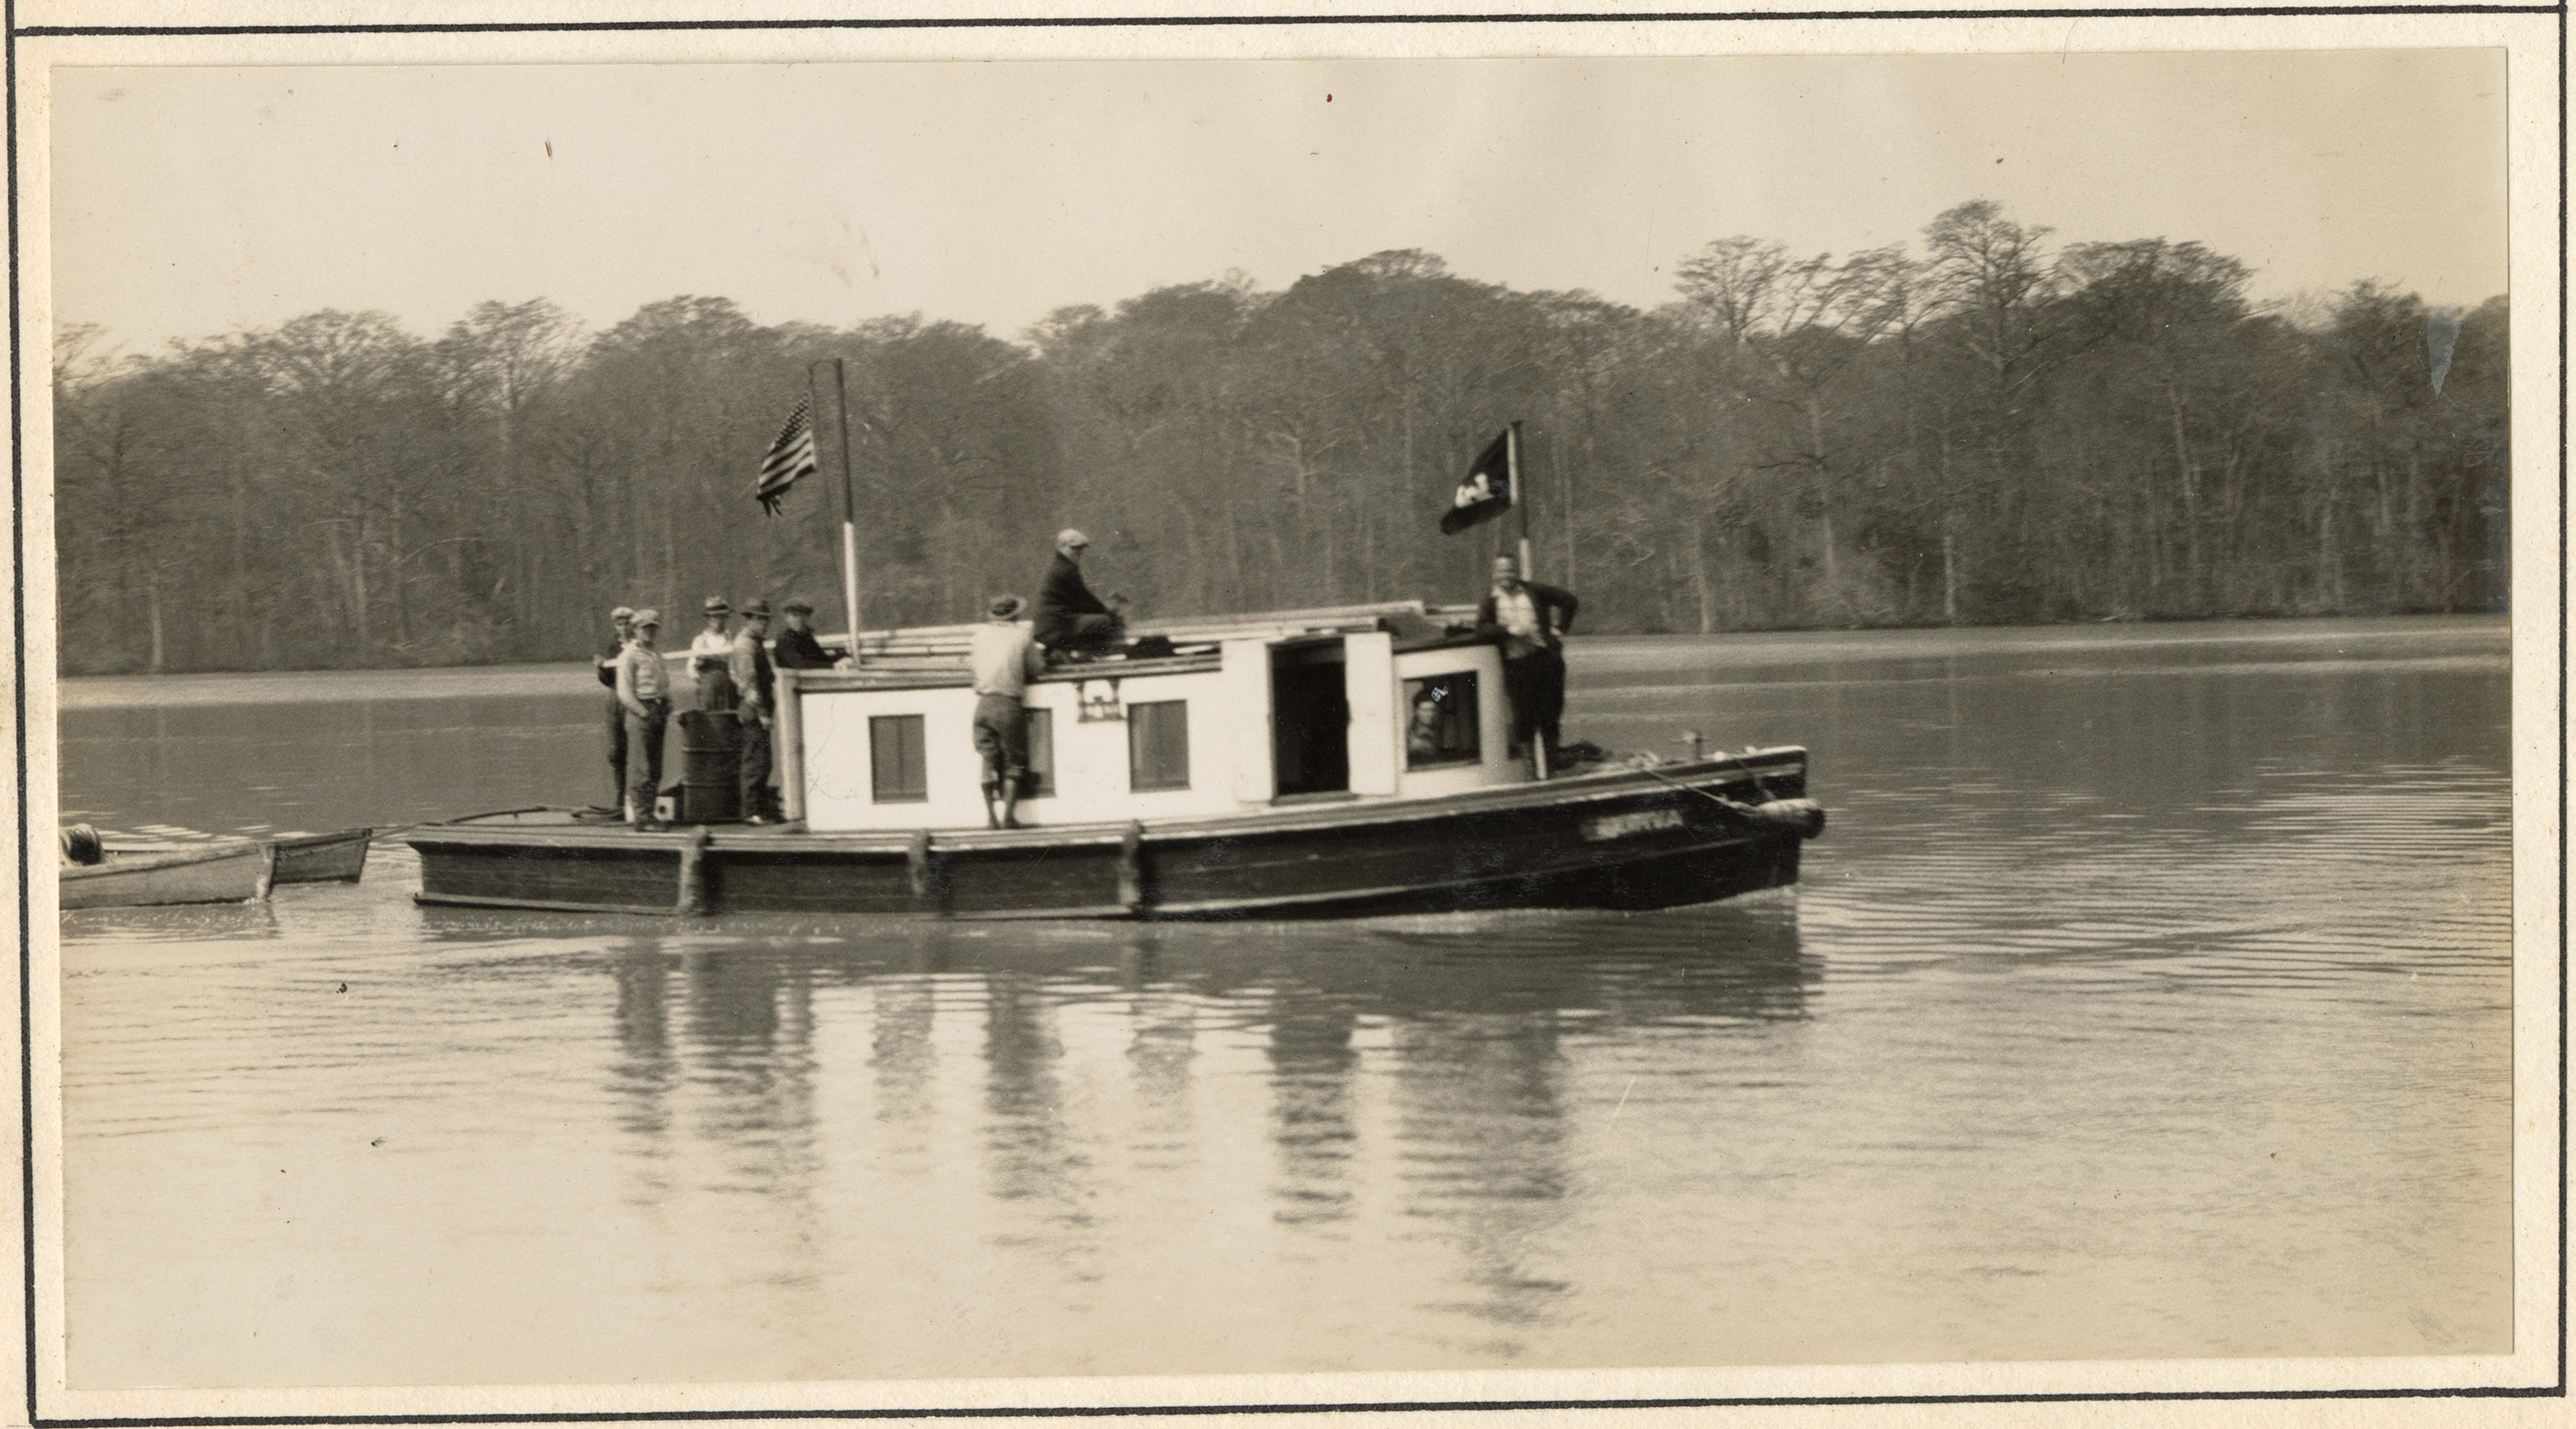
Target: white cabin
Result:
[1355, 703]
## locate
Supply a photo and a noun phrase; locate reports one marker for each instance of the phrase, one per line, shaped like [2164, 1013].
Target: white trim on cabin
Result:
[1230, 731]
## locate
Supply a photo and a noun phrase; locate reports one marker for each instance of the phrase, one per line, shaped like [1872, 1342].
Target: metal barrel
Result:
[710, 766]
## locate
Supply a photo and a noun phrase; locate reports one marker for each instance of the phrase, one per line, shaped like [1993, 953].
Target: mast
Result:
[849, 508]
[1520, 495]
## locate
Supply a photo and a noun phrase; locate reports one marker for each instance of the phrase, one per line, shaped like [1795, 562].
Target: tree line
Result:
[1980, 428]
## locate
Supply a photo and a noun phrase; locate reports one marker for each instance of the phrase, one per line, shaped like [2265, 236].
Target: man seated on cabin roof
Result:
[1071, 622]
[796, 648]
[1003, 657]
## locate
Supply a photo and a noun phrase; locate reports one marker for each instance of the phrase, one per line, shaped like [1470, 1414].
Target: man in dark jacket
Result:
[797, 649]
[1531, 621]
[1070, 619]
[749, 664]
[616, 645]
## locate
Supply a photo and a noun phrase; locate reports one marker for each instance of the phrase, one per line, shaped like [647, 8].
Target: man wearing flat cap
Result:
[644, 692]
[711, 658]
[1003, 657]
[621, 622]
[1071, 621]
[749, 666]
[797, 649]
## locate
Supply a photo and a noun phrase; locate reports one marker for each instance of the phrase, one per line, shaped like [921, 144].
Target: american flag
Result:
[790, 457]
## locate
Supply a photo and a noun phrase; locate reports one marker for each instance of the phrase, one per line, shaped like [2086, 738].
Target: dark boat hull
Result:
[1624, 839]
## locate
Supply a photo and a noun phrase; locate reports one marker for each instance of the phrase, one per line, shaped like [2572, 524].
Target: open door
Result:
[1310, 718]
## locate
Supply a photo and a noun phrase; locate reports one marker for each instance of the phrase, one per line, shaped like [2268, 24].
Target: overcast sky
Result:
[191, 202]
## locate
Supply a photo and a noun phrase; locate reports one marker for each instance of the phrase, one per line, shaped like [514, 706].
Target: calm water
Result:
[2148, 995]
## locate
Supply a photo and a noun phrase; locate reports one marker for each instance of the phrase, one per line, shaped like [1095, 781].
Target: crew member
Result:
[797, 648]
[711, 658]
[749, 666]
[621, 621]
[1531, 619]
[1070, 620]
[1003, 656]
[644, 692]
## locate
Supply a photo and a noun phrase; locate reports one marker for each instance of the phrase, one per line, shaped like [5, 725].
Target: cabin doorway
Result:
[1310, 720]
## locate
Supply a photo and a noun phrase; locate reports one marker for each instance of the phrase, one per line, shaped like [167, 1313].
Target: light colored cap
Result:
[623, 612]
[648, 616]
[716, 605]
[1071, 537]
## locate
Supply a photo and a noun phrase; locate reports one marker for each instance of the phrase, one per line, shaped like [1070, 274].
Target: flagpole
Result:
[849, 511]
[1520, 497]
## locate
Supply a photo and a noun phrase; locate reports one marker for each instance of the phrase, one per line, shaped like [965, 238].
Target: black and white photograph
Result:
[1667, 716]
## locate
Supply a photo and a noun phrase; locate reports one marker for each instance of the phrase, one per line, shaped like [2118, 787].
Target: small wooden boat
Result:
[337, 857]
[323, 858]
[230, 871]
[1328, 763]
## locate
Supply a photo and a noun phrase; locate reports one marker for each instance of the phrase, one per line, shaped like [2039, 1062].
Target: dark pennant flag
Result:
[1487, 491]
[790, 457]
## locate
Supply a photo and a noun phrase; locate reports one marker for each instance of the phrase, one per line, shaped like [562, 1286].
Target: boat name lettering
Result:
[1620, 826]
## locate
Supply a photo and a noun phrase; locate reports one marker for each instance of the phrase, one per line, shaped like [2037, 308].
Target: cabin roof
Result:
[930, 656]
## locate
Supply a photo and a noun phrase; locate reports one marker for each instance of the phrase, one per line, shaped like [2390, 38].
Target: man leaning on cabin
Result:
[1004, 655]
[1532, 620]
[748, 664]
[711, 658]
[1071, 621]
[797, 649]
[644, 692]
[621, 621]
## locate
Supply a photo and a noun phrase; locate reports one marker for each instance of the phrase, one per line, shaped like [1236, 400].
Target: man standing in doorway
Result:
[752, 678]
[644, 692]
[1003, 657]
[620, 620]
[711, 658]
[1071, 620]
[1531, 619]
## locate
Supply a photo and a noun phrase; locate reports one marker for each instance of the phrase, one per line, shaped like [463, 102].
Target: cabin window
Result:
[1158, 745]
[1441, 725]
[1039, 782]
[898, 773]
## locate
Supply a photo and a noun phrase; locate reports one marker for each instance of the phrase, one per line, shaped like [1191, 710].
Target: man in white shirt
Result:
[1532, 620]
[1004, 655]
[711, 658]
[644, 692]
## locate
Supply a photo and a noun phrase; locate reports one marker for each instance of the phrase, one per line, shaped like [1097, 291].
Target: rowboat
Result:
[336, 857]
[231, 871]
[339, 857]
[1317, 763]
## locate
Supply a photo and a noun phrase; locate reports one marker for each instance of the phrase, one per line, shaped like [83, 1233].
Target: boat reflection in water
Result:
[1096, 1090]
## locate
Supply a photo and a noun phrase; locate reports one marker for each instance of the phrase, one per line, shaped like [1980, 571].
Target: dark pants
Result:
[1002, 737]
[616, 751]
[755, 770]
[644, 754]
[1090, 634]
[1535, 685]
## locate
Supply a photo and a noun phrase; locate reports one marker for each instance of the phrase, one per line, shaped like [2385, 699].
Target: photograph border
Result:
[34, 754]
